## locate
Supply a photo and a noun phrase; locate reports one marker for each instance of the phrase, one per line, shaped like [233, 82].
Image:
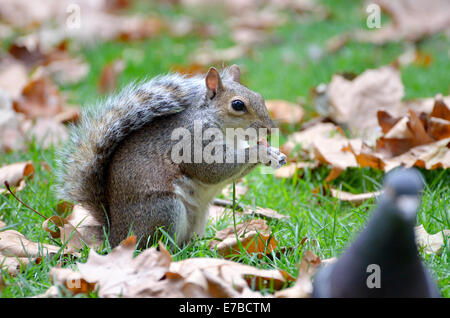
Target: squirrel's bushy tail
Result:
[82, 161]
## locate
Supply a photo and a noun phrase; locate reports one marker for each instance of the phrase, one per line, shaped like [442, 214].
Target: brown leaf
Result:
[118, 273]
[109, 76]
[254, 235]
[80, 226]
[289, 170]
[356, 102]
[11, 137]
[27, 50]
[132, 28]
[16, 250]
[63, 207]
[67, 70]
[415, 125]
[438, 128]
[56, 220]
[386, 121]
[15, 174]
[68, 115]
[285, 112]
[13, 265]
[356, 199]
[334, 174]
[238, 275]
[303, 285]
[266, 213]
[410, 21]
[189, 70]
[207, 55]
[13, 77]
[153, 274]
[430, 156]
[440, 109]
[431, 243]
[330, 151]
[216, 212]
[72, 281]
[367, 158]
[324, 143]
[39, 98]
[45, 131]
[391, 147]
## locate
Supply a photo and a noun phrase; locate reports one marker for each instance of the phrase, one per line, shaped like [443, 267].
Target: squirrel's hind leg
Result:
[149, 215]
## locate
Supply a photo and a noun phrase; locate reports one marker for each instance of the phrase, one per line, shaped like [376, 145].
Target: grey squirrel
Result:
[118, 162]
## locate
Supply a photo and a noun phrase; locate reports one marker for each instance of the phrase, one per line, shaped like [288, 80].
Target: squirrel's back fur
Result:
[83, 160]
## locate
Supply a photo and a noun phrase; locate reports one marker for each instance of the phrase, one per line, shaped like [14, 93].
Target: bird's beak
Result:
[408, 205]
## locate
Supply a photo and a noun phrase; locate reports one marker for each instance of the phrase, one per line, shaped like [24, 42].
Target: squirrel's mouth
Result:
[262, 125]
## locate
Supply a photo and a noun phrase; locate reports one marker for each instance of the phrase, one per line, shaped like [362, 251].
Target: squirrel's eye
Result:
[238, 105]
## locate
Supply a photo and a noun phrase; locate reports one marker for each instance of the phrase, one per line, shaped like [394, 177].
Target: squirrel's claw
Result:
[276, 158]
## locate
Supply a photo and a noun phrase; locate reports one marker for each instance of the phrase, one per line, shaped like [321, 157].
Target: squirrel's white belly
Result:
[196, 197]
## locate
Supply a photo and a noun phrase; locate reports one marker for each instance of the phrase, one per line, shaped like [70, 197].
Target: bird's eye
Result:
[238, 105]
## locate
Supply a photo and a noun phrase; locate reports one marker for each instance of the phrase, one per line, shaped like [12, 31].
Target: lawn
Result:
[328, 224]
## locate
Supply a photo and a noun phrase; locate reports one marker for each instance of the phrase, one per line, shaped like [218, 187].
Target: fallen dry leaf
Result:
[13, 265]
[266, 213]
[16, 251]
[78, 228]
[109, 76]
[440, 109]
[240, 276]
[419, 137]
[15, 244]
[430, 156]
[410, 21]
[45, 131]
[289, 170]
[217, 212]
[68, 115]
[407, 132]
[67, 70]
[13, 77]
[189, 70]
[153, 274]
[356, 102]
[207, 55]
[11, 137]
[305, 138]
[98, 23]
[254, 235]
[324, 143]
[15, 174]
[285, 112]
[354, 198]
[303, 285]
[431, 243]
[39, 98]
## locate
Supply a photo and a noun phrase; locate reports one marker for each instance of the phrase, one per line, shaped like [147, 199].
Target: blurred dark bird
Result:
[383, 261]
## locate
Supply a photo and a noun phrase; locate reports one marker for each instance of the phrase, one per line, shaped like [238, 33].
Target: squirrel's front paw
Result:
[276, 158]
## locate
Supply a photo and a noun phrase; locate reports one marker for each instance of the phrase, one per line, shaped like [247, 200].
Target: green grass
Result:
[328, 223]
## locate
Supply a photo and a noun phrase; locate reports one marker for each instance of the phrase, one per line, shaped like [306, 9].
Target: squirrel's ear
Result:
[213, 83]
[235, 72]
